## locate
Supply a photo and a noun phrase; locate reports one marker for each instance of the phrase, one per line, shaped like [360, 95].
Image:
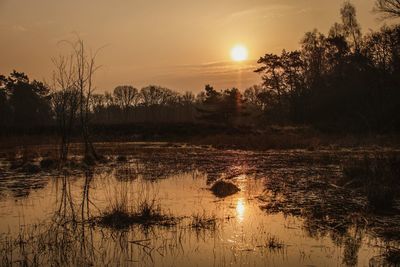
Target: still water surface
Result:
[32, 205]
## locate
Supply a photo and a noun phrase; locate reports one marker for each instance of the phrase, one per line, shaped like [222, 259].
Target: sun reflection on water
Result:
[240, 209]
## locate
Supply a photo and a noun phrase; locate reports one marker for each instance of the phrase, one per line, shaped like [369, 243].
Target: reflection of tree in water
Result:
[21, 185]
[126, 172]
[70, 237]
[327, 210]
[68, 229]
[215, 164]
[161, 162]
[299, 183]
[352, 245]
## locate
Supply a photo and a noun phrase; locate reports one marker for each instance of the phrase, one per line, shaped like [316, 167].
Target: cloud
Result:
[5, 27]
[272, 11]
[19, 28]
[264, 12]
[214, 68]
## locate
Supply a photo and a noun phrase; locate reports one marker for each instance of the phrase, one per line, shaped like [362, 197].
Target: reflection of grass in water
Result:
[46, 245]
[79, 244]
[319, 214]
[203, 222]
[274, 244]
[71, 240]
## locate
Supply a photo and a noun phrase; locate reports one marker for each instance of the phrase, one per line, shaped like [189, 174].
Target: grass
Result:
[147, 215]
[274, 244]
[378, 177]
[203, 222]
[145, 211]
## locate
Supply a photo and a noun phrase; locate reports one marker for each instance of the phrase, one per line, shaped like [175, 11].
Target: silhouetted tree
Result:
[74, 73]
[313, 54]
[5, 109]
[85, 67]
[282, 77]
[221, 107]
[29, 101]
[339, 82]
[272, 73]
[126, 96]
[351, 27]
[187, 99]
[65, 105]
[252, 96]
[152, 95]
[389, 8]
[65, 100]
[337, 30]
[383, 49]
[97, 103]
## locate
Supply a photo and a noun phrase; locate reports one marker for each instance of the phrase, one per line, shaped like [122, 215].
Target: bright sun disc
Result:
[239, 53]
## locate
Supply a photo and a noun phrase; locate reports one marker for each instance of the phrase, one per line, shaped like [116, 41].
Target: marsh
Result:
[291, 209]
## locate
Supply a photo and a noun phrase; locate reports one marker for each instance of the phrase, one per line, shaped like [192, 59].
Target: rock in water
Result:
[121, 158]
[30, 168]
[224, 189]
[47, 163]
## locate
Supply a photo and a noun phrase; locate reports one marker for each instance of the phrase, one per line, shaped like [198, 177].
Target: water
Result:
[38, 210]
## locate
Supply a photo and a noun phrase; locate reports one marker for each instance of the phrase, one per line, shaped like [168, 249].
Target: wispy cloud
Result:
[271, 11]
[214, 68]
[264, 12]
[19, 28]
[6, 27]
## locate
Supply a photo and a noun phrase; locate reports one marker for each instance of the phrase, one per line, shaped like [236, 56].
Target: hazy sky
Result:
[180, 44]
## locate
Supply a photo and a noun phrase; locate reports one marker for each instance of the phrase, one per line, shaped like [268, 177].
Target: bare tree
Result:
[65, 100]
[155, 95]
[108, 99]
[187, 99]
[389, 8]
[73, 82]
[97, 102]
[85, 68]
[126, 96]
[351, 27]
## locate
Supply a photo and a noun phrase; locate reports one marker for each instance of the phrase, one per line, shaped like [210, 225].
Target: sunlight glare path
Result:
[240, 209]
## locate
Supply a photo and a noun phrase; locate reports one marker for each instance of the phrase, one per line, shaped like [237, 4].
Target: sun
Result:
[239, 53]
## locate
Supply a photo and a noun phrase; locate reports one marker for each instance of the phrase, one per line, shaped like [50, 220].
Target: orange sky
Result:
[180, 44]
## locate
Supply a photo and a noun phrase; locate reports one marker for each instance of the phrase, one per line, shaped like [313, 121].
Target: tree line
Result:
[339, 81]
